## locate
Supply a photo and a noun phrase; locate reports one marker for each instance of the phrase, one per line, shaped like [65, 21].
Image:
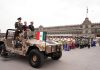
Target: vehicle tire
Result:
[36, 58]
[0, 49]
[56, 55]
[3, 51]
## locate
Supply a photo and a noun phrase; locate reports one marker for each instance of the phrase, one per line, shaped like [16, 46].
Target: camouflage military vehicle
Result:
[36, 50]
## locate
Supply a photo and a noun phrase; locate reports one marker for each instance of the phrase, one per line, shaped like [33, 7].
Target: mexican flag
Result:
[41, 36]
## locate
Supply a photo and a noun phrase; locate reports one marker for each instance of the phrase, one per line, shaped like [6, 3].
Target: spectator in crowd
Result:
[81, 44]
[99, 42]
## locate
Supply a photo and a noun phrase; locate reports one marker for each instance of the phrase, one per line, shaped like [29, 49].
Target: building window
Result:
[86, 26]
[98, 30]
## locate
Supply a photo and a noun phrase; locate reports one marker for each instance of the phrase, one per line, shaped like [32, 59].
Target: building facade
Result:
[86, 29]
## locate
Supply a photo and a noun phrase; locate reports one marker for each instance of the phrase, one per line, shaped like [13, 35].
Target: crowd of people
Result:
[72, 43]
[79, 43]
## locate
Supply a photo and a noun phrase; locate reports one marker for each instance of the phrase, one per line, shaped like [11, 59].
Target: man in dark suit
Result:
[31, 27]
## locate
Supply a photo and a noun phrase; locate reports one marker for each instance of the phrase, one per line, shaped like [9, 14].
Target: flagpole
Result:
[45, 40]
[87, 12]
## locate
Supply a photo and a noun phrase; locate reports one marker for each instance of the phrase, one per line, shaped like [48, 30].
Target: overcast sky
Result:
[47, 12]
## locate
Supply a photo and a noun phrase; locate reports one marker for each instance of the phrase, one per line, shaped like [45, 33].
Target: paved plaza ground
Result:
[76, 59]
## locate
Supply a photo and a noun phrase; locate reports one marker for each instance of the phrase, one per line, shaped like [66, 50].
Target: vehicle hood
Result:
[39, 42]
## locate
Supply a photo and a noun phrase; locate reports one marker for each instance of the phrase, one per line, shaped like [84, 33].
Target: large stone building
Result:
[86, 29]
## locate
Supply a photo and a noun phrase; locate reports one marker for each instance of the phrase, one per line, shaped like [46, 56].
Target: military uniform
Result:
[19, 28]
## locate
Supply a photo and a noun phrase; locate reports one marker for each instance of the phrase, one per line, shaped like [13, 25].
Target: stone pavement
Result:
[76, 59]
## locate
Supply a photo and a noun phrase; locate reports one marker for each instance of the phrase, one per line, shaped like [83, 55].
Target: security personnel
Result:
[18, 27]
[31, 27]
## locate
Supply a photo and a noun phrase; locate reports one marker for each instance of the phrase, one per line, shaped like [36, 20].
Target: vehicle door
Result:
[10, 38]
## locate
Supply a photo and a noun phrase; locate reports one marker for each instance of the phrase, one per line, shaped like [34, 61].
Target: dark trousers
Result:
[81, 46]
[88, 46]
[17, 32]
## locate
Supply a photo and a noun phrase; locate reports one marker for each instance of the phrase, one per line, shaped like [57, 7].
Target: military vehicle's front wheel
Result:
[56, 55]
[36, 58]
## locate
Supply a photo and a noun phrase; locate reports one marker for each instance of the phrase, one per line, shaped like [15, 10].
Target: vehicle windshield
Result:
[11, 33]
